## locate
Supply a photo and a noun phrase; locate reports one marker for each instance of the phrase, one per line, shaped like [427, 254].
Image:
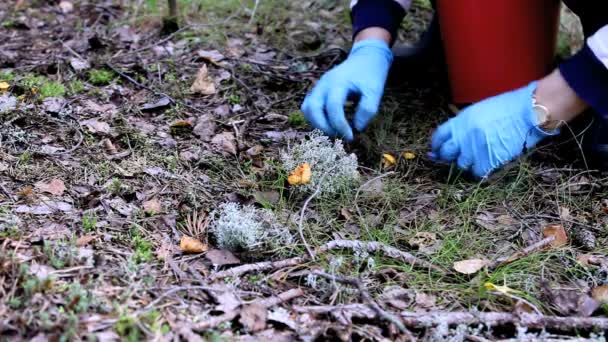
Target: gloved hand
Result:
[363, 73]
[490, 133]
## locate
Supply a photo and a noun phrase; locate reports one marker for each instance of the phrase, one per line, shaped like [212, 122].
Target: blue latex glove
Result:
[363, 73]
[490, 133]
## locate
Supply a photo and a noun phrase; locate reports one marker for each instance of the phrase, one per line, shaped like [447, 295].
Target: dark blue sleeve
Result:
[386, 14]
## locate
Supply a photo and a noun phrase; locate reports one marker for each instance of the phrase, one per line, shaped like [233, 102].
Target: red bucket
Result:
[493, 46]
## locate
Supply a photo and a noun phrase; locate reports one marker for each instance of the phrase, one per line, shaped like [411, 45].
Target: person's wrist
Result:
[560, 101]
[374, 33]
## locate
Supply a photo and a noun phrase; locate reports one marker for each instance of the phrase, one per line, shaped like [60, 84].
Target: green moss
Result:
[100, 76]
[51, 89]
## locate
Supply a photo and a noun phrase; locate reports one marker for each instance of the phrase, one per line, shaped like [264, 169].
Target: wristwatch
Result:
[544, 116]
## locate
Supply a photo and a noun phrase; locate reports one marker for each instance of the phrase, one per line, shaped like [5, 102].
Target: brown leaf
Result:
[96, 126]
[426, 242]
[205, 127]
[181, 127]
[221, 257]
[54, 187]
[571, 301]
[559, 233]
[600, 293]
[66, 7]
[165, 250]
[470, 266]
[152, 207]
[424, 300]
[191, 245]
[85, 240]
[212, 56]
[203, 84]
[253, 317]
[227, 301]
[27, 193]
[225, 142]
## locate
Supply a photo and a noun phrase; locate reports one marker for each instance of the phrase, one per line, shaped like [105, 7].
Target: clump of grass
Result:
[75, 87]
[246, 228]
[325, 158]
[143, 248]
[89, 222]
[100, 76]
[7, 76]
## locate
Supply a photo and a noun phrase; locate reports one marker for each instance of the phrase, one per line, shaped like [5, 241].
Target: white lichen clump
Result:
[324, 157]
[247, 228]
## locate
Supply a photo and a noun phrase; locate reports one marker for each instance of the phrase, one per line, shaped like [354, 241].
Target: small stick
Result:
[260, 266]
[388, 251]
[265, 303]
[524, 252]
[491, 319]
[311, 254]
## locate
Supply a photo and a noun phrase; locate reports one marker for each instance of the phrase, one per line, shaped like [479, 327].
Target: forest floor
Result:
[109, 159]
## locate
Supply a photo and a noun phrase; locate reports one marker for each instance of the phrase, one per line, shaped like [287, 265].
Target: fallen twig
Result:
[259, 266]
[265, 303]
[388, 251]
[524, 252]
[491, 319]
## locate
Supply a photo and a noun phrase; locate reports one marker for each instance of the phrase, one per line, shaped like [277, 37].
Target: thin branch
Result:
[524, 252]
[388, 251]
[260, 266]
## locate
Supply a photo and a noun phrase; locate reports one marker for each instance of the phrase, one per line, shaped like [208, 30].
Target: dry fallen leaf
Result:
[225, 143]
[152, 207]
[426, 242]
[301, 175]
[191, 245]
[253, 317]
[54, 187]
[388, 160]
[203, 84]
[66, 7]
[96, 126]
[600, 293]
[181, 127]
[85, 240]
[221, 257]
[470, 266]
[558, 232]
